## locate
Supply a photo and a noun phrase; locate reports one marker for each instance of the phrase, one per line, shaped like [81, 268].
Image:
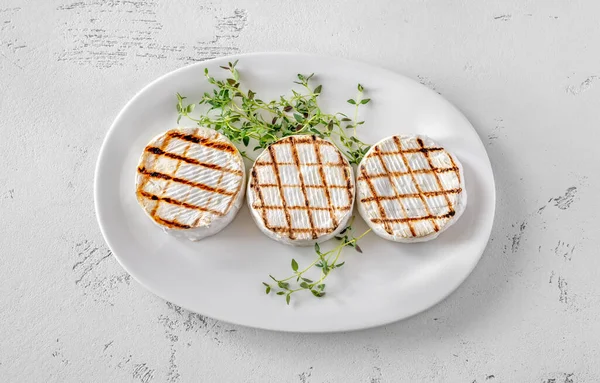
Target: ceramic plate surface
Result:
[221, 276]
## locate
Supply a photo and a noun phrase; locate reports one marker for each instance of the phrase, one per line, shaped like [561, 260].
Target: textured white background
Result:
[527, 75]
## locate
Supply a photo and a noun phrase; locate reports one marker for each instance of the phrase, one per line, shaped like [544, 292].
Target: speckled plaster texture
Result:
[526, 74]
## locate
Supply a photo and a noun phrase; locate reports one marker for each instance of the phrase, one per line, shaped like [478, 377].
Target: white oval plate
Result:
[221, 276]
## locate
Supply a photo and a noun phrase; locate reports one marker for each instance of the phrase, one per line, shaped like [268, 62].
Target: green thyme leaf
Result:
[283, 285]
[330, 126]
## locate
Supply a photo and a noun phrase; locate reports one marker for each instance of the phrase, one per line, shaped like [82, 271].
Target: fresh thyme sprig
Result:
[244, 118]
[326, 261]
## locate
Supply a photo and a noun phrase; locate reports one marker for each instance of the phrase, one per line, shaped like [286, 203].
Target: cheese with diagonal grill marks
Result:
[301, 190]
[410, 189]
[190, 182]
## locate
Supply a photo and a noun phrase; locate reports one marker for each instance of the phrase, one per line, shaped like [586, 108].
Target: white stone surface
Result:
[527, 75]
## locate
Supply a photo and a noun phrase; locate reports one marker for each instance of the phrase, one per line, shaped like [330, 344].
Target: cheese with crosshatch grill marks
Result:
[301, 190]
[410, 189]
[190, 182]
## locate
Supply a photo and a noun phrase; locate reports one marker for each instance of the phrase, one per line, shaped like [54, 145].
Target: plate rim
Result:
[104, 152]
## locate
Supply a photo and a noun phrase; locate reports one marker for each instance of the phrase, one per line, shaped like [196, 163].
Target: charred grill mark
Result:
[163, 146]
[347, 177]
[399, 147]
[167, 177]
[455, 168]
[330, 164]
[185, 151]
[171, 224]
[274, 207]
[387, 227]
[306, 186]
[414, 195]
[317, 148]
[288, 218]
[435, 174]
[418, 171]
[257, 189]
[204, 141]
[192, 161]
[283, 229]
[294, 151]
[154, 150]
[408, 219]
[172, 201]
[348, 185]
[408, 151]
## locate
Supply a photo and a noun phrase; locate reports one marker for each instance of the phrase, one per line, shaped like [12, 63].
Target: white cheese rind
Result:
[419, 193]
[281, 176]
[190, 182]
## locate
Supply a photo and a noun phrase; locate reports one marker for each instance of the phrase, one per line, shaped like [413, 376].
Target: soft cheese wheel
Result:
[410, 189]
[301, 190]
[190, 182]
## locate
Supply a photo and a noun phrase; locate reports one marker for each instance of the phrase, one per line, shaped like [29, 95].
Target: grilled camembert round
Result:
[410, 189]
[190, 182]
[301, 190]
